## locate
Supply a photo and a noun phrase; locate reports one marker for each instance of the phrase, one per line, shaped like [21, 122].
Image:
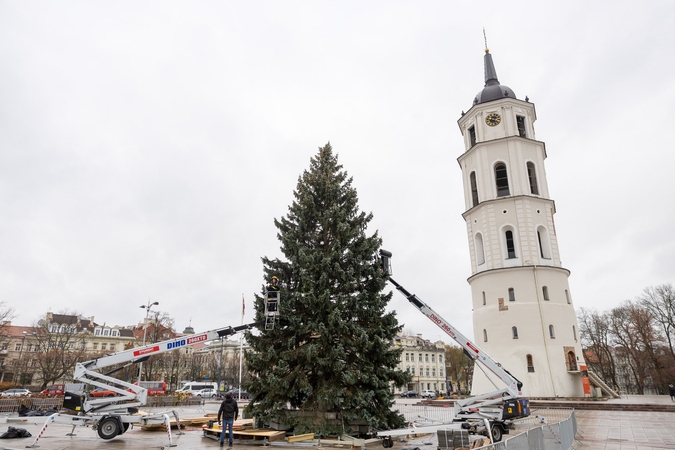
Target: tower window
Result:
[512, 295]
[502, 180]
[544, 243]
[551, 331]
[530, 364]
[480, 250]
[532, 175]
[567, 296]
[514, 330]
[472, 135]
[520, 121]
[484, 300]
[510, 247]
[484, 335]
[574, 333]
[474, 189]
[545, 292]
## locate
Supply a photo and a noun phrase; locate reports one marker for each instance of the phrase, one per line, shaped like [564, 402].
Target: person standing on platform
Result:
[229, 412]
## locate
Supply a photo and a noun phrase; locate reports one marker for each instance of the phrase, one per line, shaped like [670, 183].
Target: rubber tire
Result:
[387, 442]
[125, 427]
[110, 395]
[108, 428]
[497, 433]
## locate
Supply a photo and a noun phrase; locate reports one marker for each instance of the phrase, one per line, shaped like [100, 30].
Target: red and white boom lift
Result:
[491, 413]
[112, 416]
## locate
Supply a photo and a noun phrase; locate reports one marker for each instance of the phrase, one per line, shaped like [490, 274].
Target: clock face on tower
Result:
[493, 119]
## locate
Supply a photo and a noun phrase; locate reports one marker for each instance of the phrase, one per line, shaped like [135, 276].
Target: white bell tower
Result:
[523, 315]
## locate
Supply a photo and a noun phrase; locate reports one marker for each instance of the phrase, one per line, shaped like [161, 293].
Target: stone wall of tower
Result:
[522, 306]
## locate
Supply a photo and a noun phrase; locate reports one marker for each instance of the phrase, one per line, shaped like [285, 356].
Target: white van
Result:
[191, 387]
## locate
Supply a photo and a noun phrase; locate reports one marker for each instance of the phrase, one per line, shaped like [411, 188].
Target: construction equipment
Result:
[490, 414]
[112, 416]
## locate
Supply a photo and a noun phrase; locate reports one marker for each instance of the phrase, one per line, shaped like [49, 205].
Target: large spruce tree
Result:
[329, 360]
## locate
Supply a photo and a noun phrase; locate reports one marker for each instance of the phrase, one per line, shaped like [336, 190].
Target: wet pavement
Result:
[598, 430]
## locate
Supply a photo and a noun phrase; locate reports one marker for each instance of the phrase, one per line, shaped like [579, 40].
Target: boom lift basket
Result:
[271, 308]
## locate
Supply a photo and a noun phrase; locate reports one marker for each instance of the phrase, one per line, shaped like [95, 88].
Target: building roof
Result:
[492, 90]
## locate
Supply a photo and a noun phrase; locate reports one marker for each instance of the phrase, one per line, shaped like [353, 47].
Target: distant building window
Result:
[567, 296]
[97, 332]
[485, 335]
[574, 333]
[474, 189]
[551, 331]
[427, 371]
[514, 331]
[103, 346]
[440, 358]
[94, 346]
[17, 347]
[510, 246]
[512, 295]
[407, 357]
[413, 370]
[532, 175]
[484, 299]
[420, 358]
[433, 372]
[106, 332]
[502, 180]
[545, 292]
[520, 121]
[530, 364]
[472, 136]
[426, 357]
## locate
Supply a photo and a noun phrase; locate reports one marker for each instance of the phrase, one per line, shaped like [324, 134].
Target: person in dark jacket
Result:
[229, 412]
[672, 392]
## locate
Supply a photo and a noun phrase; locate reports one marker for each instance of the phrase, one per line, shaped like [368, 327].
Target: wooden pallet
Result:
[247, 435]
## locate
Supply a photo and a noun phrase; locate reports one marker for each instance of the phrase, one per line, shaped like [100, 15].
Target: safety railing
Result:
[547, 436]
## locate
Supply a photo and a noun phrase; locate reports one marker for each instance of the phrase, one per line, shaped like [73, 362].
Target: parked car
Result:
[57, 390]
[407, 394]
[428, 394]
[15, 393]
[206, 393]
[101, 392]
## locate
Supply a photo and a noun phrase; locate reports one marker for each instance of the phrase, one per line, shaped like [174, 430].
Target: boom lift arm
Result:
[503, 404]
[130, 394]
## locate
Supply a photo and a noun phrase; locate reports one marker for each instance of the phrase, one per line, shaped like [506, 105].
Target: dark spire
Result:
[490, 72]
[492, 90]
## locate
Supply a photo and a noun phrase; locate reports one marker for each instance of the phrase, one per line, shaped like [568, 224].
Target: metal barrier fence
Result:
[421, 414]
[12, 404]
[549, 436]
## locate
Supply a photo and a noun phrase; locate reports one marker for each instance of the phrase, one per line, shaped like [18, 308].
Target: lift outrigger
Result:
[490, 414]
[112, 416]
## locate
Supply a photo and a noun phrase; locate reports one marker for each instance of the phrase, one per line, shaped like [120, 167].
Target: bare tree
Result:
[660, 301]
[458, 365]
[159, 328]
[60, 345]
[596, 338]
[6, 315]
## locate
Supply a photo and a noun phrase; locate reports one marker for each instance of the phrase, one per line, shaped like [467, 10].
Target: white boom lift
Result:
[489, 413]
[112, 416]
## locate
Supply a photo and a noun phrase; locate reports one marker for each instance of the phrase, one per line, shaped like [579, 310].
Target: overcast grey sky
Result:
[146, 147]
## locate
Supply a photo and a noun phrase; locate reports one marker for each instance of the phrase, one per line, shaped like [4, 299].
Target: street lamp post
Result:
[145, 331]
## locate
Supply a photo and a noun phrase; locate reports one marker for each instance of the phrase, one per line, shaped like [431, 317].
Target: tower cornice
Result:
[481, 145]
[508, 198]
[528, 267]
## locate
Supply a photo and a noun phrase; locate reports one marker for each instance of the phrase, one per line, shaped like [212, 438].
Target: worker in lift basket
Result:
[230, 412]
[272, 290]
